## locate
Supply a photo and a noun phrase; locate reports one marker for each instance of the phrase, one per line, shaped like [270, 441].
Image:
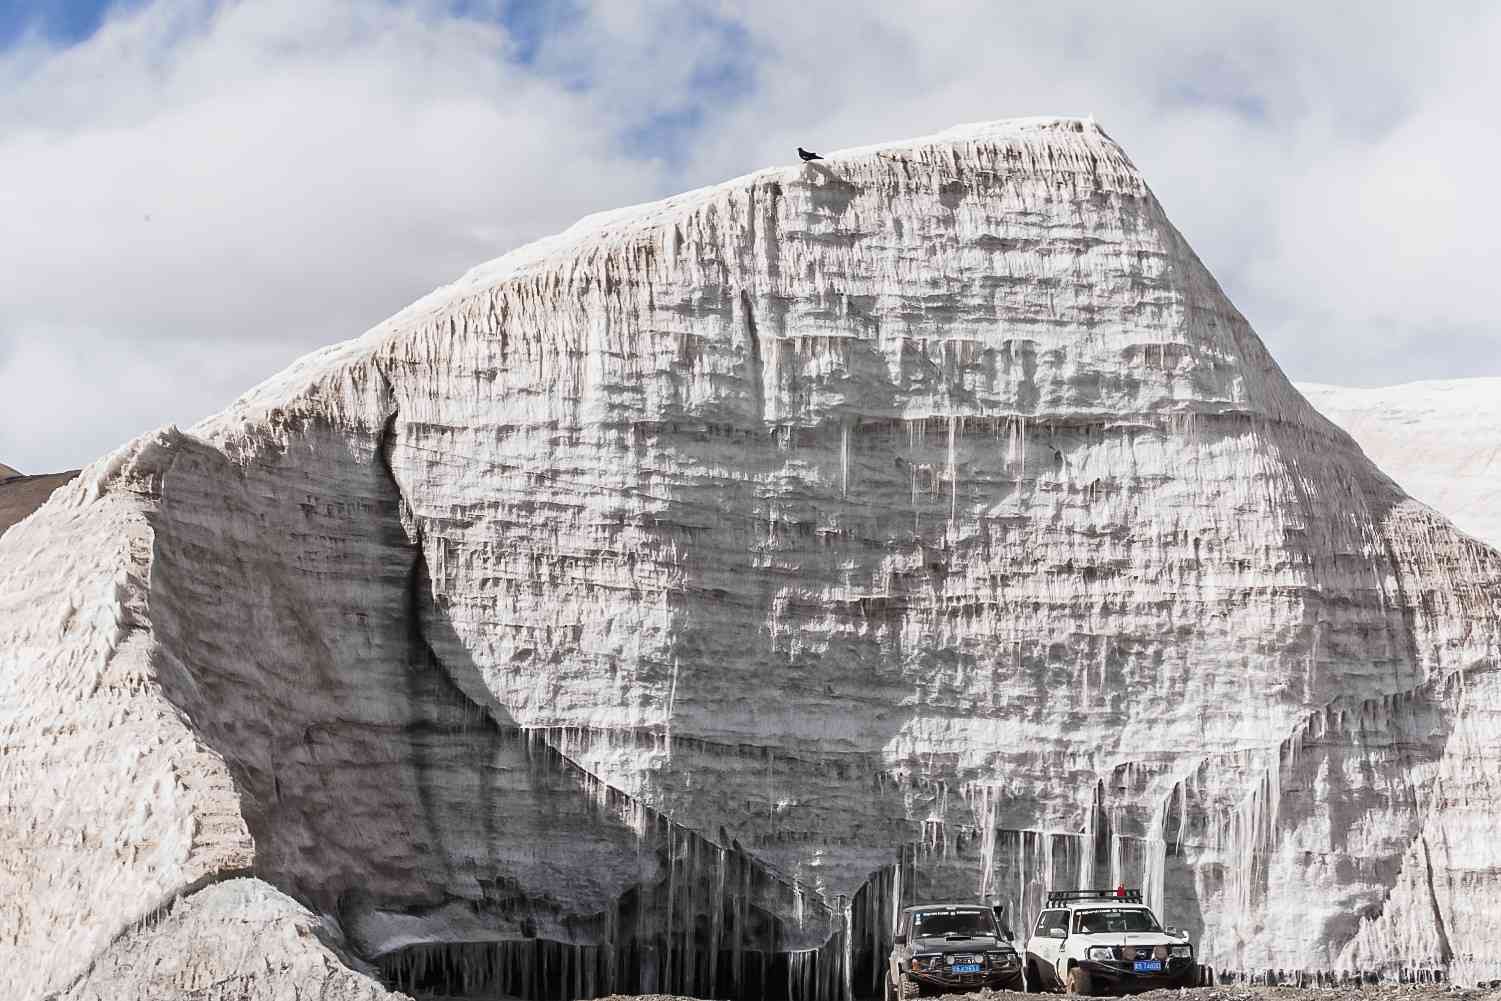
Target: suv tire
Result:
[1079, 982]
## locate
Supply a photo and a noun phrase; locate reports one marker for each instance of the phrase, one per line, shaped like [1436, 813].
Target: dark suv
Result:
[949, 948]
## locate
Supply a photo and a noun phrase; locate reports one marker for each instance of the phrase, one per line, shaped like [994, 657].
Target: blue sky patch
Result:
[61, 22]
[528, 22]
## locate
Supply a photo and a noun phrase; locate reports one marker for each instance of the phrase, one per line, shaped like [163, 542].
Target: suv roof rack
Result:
[1120, 894]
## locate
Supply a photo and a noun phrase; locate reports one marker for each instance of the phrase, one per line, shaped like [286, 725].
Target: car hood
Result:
[941, 944]
[1142, 938]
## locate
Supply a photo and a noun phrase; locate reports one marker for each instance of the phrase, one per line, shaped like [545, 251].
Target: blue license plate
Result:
[1148, 966]
[966, 967]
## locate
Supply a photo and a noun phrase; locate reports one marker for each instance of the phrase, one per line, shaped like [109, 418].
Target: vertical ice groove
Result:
[672, 696]
[844, 459]
[956, 429]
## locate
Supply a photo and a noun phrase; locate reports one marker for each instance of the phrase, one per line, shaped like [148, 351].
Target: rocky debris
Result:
[663, 604]
[1363, 992]
[228, 941]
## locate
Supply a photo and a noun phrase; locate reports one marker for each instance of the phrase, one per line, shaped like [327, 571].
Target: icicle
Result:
[742, 904]
[672, 697]
[848, 965]
[1182, 790]
[716, 932]
[1087, 849]
[956, 429]
[689, 952]
[1047, 871]
[844, 460]
[896, 892]
[672, 873]
[1117, 863]
[874, 904]
[1154, 860]
[1021, 871]
[983, 801]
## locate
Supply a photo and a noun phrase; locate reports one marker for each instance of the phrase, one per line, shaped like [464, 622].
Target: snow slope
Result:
[21, 495]
[1437, 438]
[659, 606]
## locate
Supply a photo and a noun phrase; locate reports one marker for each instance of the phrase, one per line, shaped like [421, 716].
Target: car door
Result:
[1059, 932]
[1044, 945]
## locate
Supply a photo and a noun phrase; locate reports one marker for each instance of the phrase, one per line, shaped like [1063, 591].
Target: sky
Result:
[194, 193]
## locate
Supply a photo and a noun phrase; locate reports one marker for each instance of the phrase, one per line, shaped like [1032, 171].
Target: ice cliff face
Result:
[1437, 438]
[662, 604]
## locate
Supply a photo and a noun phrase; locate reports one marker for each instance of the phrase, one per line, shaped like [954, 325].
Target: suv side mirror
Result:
[1057, 933]
[900, 939]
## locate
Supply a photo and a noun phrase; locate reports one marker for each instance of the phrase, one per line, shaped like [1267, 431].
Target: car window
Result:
[1115, 919]
[936, 924]
[1051, 919]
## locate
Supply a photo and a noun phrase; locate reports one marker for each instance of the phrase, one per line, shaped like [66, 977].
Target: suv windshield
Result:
[963, 924]
[1115, 920]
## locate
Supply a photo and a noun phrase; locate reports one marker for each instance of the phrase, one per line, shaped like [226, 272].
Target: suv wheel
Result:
[1079, 982]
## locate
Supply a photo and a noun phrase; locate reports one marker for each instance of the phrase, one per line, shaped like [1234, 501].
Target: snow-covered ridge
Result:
[1034, 138]
[659, 606]
[1038, 142]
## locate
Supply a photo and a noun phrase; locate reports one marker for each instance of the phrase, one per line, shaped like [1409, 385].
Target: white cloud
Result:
[308, 169]
[215, 192]
[1332, 168]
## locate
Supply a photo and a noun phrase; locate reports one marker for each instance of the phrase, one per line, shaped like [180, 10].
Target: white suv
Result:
[1106, 942]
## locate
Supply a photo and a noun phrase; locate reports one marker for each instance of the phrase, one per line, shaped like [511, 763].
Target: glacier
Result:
[662, 605]
[1436, 438]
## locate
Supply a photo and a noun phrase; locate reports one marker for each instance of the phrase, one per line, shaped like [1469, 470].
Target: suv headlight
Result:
[1003, 957]
[1101, 952]
[1183, 952]
[922, 964]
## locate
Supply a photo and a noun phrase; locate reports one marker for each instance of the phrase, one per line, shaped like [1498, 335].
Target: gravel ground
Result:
[1371, 992]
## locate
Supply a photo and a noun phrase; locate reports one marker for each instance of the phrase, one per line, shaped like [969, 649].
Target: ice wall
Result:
[661, 606]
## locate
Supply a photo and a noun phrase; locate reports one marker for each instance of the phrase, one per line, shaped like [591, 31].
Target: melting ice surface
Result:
[663, 605]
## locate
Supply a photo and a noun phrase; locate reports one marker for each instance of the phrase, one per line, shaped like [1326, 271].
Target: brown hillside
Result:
[21, 495]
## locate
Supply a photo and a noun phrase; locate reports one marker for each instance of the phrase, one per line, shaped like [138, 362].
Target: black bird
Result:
[807, 156]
